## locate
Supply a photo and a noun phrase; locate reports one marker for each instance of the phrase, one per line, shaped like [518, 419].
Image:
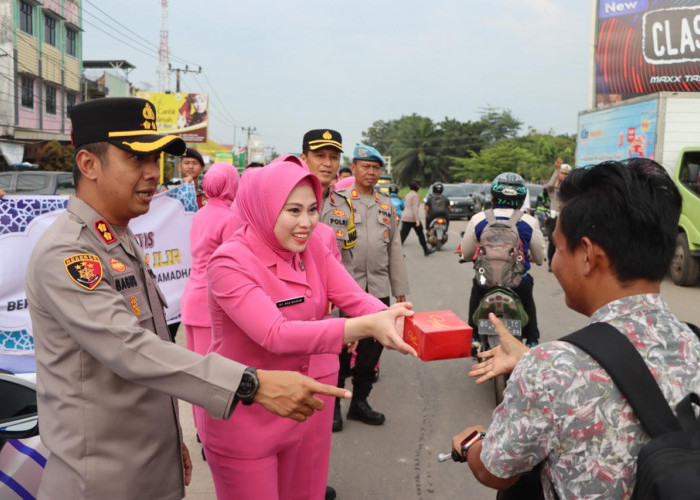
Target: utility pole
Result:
[177, 71]
[249, 131]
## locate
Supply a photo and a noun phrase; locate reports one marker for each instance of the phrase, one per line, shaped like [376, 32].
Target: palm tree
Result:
[417, 149]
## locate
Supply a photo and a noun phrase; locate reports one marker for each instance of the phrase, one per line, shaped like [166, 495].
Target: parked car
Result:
[37, 182]
[463, 204]
[481, 192]
[20, 461]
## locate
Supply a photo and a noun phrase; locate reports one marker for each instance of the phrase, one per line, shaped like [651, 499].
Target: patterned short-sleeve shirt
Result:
[560, 406]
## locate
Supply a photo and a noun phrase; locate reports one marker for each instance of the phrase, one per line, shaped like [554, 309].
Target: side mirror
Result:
[18, 412]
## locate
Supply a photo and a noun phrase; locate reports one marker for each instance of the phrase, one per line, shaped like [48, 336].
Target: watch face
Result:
[247, 385]
[472, 438]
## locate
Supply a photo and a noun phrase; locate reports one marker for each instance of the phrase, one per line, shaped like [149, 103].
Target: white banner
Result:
[163, 233]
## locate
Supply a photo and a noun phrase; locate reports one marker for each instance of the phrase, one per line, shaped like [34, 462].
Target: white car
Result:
[22, 455]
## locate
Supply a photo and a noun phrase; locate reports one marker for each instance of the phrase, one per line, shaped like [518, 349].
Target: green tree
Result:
[54, 156]
[497, 124]
[416, 150]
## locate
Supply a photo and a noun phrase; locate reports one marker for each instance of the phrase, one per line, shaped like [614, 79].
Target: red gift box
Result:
[438, 335]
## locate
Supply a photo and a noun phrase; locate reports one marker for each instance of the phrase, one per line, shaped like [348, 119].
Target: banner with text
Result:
[163, 233]
[646, 46]
[181, 114]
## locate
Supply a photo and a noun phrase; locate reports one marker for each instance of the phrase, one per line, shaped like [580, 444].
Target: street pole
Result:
[177, 71]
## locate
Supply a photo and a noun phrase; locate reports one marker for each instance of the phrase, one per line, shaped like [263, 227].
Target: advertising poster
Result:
[646, 46]
[617, 133]
[163, 234]
[180, 113]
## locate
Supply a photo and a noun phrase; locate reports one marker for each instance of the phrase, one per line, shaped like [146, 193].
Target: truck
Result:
[665, 127]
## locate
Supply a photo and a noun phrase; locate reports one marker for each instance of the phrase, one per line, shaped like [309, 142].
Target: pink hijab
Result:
[221, 181]
[262, 194]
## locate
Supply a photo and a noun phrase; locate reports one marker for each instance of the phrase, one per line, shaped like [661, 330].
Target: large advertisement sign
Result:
[617, 133]
[646, 46]
[163, 233]
[182, 114]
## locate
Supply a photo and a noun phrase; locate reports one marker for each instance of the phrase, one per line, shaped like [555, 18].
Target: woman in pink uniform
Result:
[269, 288]
[211, 226]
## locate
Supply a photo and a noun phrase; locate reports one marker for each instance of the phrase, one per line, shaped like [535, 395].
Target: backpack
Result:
[498, 259]
[439, 205]
[668, 466]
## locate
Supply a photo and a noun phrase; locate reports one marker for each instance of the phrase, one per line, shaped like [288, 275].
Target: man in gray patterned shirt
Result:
[614, 238]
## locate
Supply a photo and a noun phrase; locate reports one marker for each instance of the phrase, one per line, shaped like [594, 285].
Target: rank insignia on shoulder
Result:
[376, 196]
[105, 231]
[117, 265]
[134, 301]
[384, 206]
[84, 269]
[354, 194]
[338, 213]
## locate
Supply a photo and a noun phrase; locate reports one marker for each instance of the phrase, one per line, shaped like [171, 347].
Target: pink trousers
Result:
[298, 472]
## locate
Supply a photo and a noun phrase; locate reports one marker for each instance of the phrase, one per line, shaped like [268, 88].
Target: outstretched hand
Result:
[291, 394]
[501, 359]
[388, 327]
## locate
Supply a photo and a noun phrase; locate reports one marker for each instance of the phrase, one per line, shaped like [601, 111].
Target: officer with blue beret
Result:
[378, 267]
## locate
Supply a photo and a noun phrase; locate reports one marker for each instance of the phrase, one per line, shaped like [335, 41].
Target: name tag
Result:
[290, 302]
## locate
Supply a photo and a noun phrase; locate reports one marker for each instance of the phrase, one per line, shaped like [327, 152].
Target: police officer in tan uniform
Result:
[107, 373]
[377, 266]
[321, 149]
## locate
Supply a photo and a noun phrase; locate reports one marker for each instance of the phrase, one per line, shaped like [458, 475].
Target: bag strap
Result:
[514, 218]
[490, 217]
[616, 354]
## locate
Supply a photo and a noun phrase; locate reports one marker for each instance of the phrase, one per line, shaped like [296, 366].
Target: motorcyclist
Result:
[437, 205]
[396, 199]
[508, 192]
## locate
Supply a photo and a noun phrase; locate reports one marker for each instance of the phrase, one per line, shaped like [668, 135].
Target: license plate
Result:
[513, 326]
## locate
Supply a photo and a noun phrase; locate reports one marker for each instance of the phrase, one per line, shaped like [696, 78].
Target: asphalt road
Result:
[426, 403]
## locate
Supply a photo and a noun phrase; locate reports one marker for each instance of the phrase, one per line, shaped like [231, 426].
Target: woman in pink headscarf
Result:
[211, 226]
[269, 288]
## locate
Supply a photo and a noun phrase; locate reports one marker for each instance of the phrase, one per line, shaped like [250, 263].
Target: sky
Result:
[285, 67]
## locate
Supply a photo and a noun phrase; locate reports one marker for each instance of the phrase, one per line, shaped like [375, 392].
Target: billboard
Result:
[617, 133]
[180, 113]
[646, 46]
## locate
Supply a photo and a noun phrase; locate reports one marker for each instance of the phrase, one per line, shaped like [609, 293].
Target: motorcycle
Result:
[506, 305]
[437, 232]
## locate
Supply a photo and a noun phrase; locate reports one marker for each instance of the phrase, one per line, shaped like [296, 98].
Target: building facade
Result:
[41, 65]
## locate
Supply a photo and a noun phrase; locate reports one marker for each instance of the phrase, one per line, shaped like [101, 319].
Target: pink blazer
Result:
[211, 225]
[266, 314]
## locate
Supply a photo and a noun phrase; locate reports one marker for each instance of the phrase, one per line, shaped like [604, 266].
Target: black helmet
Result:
[508, 189]
[394, 189]
[438, 188]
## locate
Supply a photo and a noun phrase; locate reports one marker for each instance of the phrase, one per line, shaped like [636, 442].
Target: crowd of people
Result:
[290, 294]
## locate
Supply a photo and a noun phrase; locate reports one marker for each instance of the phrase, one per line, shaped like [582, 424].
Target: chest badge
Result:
[385, 235]
[84, 269]
[340, 233]
[105, 231]
[386, 220]
[338, 213]
[117, 265]
[384, 206]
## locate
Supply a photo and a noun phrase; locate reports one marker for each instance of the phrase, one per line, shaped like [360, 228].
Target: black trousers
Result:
[406, 228]
[368, 353]
[531, 332]
[551, 223]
